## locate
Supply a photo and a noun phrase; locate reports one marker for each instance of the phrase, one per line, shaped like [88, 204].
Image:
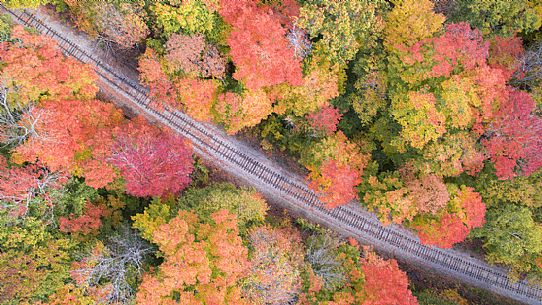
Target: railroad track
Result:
[350, 219]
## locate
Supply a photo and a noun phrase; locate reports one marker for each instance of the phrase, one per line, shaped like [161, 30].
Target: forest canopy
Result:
[426, 113]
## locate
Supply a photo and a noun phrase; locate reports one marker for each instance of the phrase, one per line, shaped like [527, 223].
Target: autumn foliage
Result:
[240, 111]
[325, 120]
[385, 283]
[87, 223]
[335, 166]
[151, 161]
[459, 45]
[197, 97]
[19, 185]
[336, 183]
[34, 70]
[194, 56]
[274, 266]
[451, 228]
[515, 137]
[259, 47]
[211, 256]
[161, 88]
[74, 136]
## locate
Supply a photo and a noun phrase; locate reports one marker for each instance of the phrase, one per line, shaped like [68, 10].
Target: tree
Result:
[514, 139]
[74, 136]
[35, 70]
[388, 197]
[428, 192]
[260, 49]
[158, 212]
[321, 83]
[505, 54]
[460, 44]
[124, 25]
[522, 190]
[341, 28]
[161, 88]
[335, 183]
[512, 237]
[335, 166]
[529, 73]
[459, 49]
[194, 56]
[325, 120]
[34, 261]
[211, 256]
[151, 161]
[385, 283]
[69, 294]
[334, 274]
[19, 186]
[240, 111]
[419, 118]
[464, 211]
[473, 208]
[197, 96]
[119, 263]
[499, 17]
[274, 266]
[450, 228]
[87, 223]
[440, 297]
[461, 100]
[189, 17]
[121, 22]
[73, 197]
[452, 155]
[247, 205]
[411, 21]
[443, 231]
[25, 3]
[322, 253]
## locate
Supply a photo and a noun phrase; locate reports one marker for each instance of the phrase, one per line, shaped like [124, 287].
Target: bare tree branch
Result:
[124, 254]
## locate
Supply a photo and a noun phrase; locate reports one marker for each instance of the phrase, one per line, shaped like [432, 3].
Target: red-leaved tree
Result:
[325, 119]
[151, 161]
[161, 87]
[336, 183]
[459, 45]
[87, 223]
[451, 228]
[19, 185]
[473, 208]
[259, 47]
[74, 136]
[385, 283]
[444, 232]
[514, 138]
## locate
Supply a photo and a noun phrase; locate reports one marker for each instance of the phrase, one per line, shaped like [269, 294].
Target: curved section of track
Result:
[252, 167]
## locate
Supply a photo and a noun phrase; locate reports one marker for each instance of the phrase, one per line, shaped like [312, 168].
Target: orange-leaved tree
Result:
[33, 69]
[202, 262]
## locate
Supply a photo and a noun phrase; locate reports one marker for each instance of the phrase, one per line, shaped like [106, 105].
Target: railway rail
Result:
[350, 219]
